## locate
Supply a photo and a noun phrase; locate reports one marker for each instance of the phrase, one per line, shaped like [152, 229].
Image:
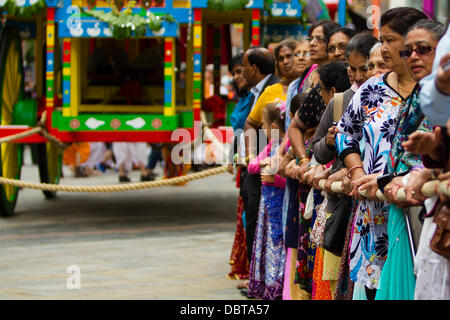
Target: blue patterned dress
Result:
[268, 259]
[370, 120]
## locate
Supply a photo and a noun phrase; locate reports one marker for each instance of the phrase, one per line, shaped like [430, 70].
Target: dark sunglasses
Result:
[420, 50]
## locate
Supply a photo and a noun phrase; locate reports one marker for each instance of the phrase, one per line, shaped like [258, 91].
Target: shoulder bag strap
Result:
[338, 106]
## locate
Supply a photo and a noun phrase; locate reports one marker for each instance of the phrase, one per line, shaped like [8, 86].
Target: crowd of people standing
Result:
[370, 113]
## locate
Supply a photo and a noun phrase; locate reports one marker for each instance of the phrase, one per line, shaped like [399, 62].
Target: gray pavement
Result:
[162, 243]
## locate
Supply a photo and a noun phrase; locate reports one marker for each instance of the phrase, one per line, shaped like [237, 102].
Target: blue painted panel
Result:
[181, 15]
[252, 4]
[199, 3]
[292, 9]
[66, 87]
[53, 3]
[255, 4]
[91, 27]
[167, 91]
[50, 61]
[197, 63]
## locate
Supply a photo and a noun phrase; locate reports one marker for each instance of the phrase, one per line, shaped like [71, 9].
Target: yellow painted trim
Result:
[50, 35]
[181, 3]
[66, 71]
[197, 36]
[75, 84]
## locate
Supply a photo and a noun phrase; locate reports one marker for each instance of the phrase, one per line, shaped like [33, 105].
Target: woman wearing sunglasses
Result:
[397, 280]
[370, 120]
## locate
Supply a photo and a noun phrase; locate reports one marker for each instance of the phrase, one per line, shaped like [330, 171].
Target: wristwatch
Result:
[383, 180]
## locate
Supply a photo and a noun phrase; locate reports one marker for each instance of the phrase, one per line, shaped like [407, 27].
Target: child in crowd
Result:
[291, 290]
[267, 265]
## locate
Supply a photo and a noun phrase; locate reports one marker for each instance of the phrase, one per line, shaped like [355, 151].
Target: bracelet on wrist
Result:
[249, 158]
[351, 169]
[434, 173]
[299, 162]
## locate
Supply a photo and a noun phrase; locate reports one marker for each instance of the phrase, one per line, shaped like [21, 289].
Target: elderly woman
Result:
[377, 67]
[397, 280]
[370, 117]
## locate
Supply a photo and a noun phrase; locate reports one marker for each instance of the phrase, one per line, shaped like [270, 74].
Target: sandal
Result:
[124, 179]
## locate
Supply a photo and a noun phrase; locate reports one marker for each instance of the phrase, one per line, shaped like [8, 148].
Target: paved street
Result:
[162, 243]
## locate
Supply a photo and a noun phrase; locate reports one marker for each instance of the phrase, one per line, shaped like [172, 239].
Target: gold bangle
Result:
[301, 161]
[435, 173]
[351, 169]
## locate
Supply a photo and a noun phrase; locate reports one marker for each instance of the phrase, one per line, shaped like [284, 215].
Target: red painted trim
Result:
[111, 136]
[222, 134]
[256, 14]
[197, 15]
[66, 51]
[168, 51]
[51, 15]
[196, 114]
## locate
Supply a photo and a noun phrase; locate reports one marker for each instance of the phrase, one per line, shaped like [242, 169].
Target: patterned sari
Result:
[397, 280]
[238, 258]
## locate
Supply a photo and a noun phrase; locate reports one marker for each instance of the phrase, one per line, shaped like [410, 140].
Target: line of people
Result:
[341, 106]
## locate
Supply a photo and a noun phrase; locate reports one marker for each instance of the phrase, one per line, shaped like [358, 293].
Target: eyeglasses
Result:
[341, 47]
[299, 54]
[317, 38]
[420, 50]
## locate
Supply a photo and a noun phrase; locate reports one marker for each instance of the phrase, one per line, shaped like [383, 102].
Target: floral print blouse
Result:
[369, 120]
[410, 119]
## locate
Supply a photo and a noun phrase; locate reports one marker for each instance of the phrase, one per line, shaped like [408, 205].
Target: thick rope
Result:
[21, 135]
[53, 139]
[39, 129]
[113, 188]
[428, 189]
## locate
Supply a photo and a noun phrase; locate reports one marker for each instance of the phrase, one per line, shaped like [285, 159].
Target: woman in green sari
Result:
[397, 280]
